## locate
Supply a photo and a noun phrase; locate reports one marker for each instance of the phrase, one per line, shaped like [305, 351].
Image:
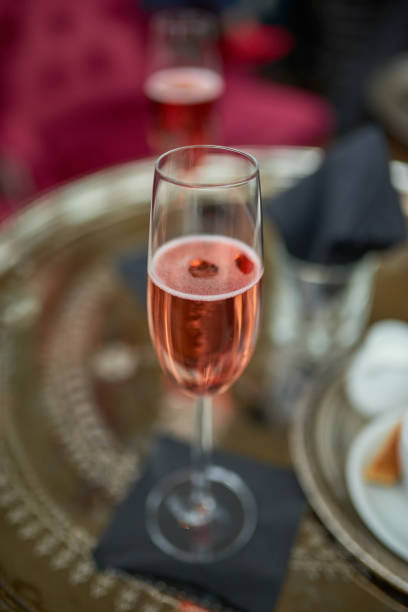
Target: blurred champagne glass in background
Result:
[183, 79]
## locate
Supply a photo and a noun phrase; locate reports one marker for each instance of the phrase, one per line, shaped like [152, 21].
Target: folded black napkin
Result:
[249, 580]
[346, 208]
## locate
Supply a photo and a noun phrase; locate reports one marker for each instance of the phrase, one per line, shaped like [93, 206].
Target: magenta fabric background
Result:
[71, 99]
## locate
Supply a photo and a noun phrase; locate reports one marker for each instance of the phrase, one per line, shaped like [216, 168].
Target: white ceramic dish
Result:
[383, 509]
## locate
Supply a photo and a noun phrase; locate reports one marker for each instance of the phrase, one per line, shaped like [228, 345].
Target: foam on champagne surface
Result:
[184, 85]
[169, 268]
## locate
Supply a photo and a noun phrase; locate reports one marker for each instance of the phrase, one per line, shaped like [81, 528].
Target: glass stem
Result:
[201, 454]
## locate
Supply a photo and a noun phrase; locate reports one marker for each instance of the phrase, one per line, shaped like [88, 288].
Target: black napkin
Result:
[346, 208]
[249, 580]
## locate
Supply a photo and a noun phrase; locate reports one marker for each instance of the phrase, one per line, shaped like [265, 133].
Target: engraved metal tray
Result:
[323, 430]
[80, 392]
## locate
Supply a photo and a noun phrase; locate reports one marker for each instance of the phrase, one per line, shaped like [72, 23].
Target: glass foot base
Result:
[211, 530]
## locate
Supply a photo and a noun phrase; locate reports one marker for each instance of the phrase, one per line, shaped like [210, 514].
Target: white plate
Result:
[383, 509]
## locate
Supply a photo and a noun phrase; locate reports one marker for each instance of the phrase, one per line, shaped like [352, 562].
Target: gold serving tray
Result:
[81, 393]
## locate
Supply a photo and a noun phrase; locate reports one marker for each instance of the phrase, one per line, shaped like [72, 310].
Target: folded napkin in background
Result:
[249, 580]
[346, 208]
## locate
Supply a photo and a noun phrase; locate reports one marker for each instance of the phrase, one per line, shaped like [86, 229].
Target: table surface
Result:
[76, 355]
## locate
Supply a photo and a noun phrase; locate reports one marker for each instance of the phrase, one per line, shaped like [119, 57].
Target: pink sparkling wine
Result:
[204, 296]
[182, 104]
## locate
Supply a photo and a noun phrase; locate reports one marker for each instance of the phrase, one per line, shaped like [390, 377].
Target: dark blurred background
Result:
[71, 78]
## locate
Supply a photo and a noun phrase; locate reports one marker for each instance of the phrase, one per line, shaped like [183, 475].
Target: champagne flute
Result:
[183, 78]
[205, 269]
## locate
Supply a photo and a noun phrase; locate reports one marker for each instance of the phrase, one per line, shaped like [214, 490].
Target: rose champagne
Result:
[182, 106]
[203, 306]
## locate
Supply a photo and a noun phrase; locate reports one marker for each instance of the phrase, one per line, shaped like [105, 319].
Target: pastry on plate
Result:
[385, 467]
